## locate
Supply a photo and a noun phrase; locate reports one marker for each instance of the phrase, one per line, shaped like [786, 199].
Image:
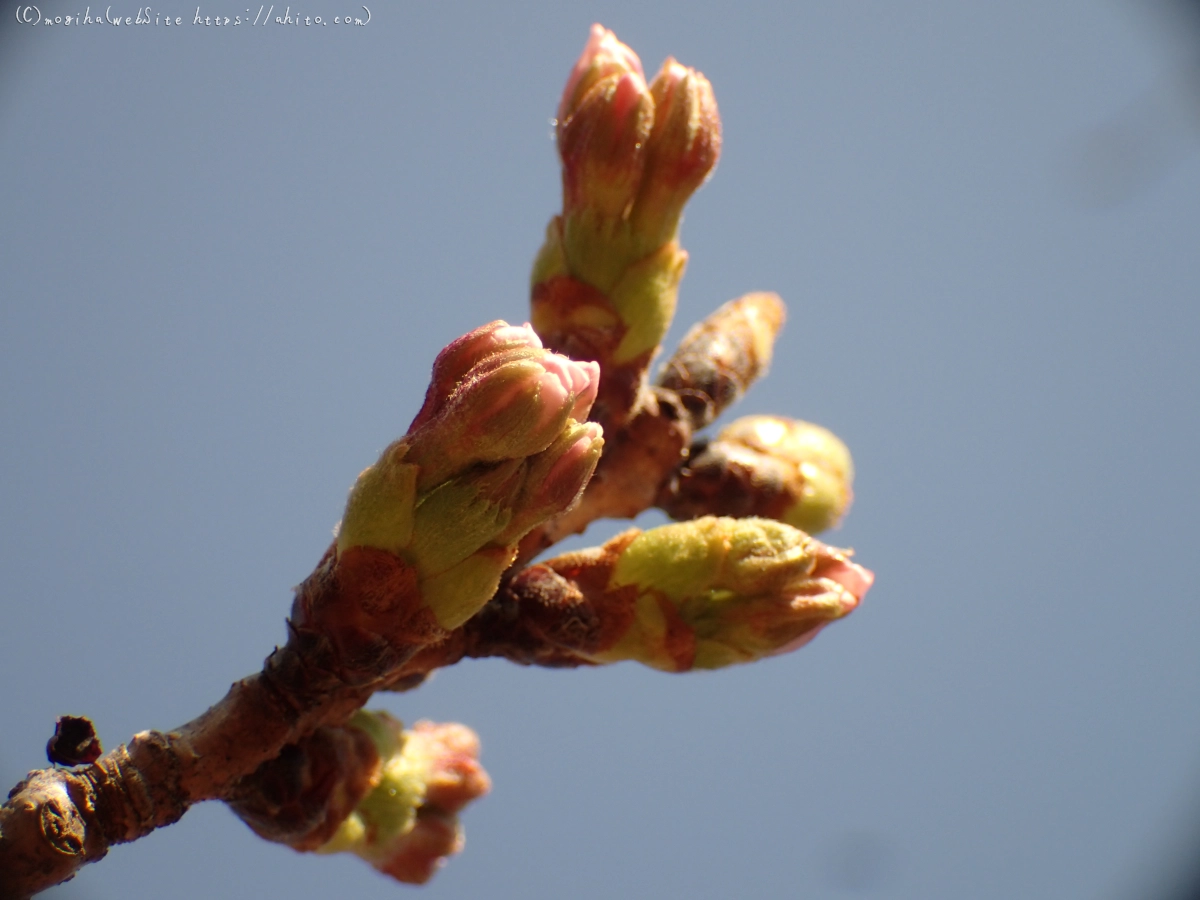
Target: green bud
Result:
[718, 591]
[407, 823]
[822, 472]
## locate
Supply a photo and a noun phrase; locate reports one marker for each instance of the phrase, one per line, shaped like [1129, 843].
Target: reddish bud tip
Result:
[602, 56]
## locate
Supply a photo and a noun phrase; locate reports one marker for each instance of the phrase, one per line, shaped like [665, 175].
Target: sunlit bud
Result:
[407, 823]
[720, 357]
[605, 115]
[495, 394]
[464, 353]
[719, 591]
[515, 407]
[556, 477]
[431, 527]
[682, 151]
[602, 56]
[602, 148]
[821, 472]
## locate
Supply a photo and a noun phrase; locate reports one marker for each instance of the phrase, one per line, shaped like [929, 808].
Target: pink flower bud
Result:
[556, 478]
[682, 151]
[601, 142]
[715, 592]
[836, 577]
[406, 824]
[512, 404]
[603, 56]
[464, 353]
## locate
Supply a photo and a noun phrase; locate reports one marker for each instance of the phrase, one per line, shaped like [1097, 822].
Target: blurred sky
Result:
[231, 254]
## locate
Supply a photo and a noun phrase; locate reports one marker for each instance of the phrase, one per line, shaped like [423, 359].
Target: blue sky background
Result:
[231, 254]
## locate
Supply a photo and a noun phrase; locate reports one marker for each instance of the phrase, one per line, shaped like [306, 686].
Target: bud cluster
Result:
[429, 563]
[606, 279]
[406, 823]
[499, 445]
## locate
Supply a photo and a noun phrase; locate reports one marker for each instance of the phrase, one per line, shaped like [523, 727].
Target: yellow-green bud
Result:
[719, 591]
[822, 472]
[407, 823]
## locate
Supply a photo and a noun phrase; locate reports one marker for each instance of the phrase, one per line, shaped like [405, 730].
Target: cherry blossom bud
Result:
[717, 591]
[604, 118]
[818, 470]
[602, 56]
[407, 823]
[511, 406]
[682, 151]
[429, 529]
[605, 281]
[464, 353]
[556, 477]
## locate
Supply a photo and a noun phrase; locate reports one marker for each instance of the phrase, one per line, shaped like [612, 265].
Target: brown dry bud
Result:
[74, 742]
[301, 797]
[720, 357]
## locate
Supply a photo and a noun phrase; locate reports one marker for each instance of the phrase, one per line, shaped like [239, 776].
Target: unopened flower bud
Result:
[819, 471]
[513, 406]
[602, 56]
[556, 477]
[407, 823]
[606, 278]
[464, 353]
[601, 142]
[430, 528]
[604, 118]
[719, 591]
[682, 151]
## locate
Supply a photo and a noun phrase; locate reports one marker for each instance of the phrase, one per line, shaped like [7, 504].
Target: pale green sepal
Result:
[645, 299]
[680, 560]
[379, 511]
[461, 515]
[765, 556]
[718, 655]
[822, 502]
[390, 809]
[551, 260]
[598, 249]
[382, 728]
[350, 835]
[461, 591]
